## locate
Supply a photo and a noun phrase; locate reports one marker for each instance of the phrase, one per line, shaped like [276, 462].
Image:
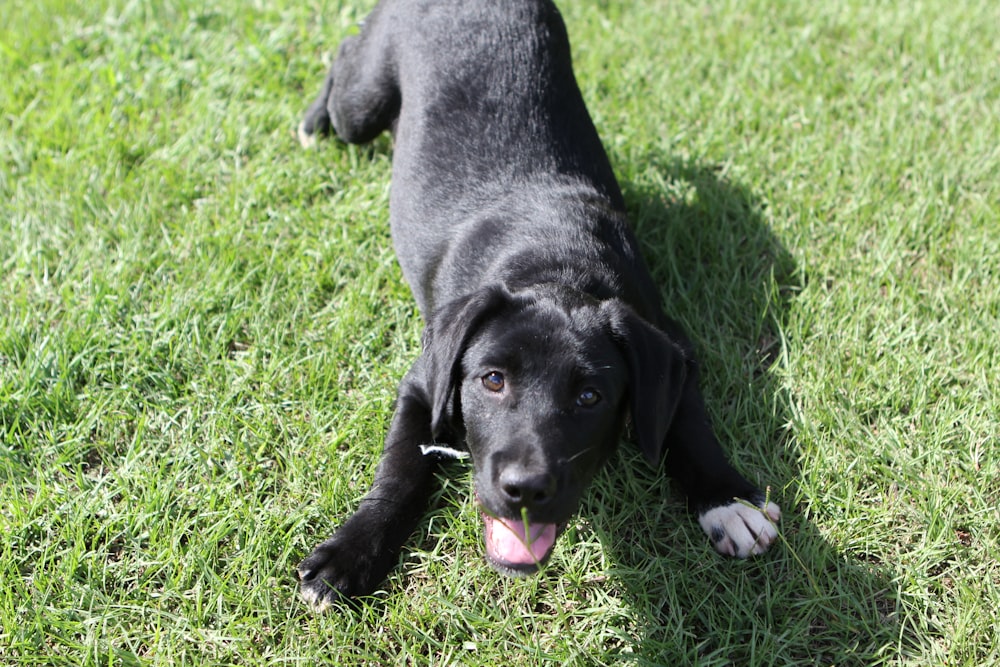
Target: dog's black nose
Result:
[527, 488]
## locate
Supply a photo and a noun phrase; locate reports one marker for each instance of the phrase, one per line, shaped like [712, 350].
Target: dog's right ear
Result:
[448, 332]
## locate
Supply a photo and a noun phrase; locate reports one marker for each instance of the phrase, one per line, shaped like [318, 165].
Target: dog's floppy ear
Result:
[657, 371]
[445, 338]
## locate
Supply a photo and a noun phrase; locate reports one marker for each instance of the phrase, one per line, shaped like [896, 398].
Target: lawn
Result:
[202, 327]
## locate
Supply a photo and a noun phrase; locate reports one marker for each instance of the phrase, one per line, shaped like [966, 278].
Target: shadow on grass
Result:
[730, 282]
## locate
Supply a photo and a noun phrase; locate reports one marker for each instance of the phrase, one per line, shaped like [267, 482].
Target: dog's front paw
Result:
[339, 572]
[740, 529]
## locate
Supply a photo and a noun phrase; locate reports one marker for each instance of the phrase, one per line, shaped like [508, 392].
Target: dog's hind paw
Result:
[740, 529]
[307, 139]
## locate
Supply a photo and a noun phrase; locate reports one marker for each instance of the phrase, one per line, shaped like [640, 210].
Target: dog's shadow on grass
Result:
[730, 282]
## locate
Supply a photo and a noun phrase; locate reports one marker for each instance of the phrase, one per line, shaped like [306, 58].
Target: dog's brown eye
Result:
[588, 398]
[493, 381]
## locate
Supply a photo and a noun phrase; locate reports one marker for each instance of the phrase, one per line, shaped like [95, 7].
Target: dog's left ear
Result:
[447, 335]
[657, 372]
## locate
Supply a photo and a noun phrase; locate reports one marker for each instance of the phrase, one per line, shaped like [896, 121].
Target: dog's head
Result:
[539, 383]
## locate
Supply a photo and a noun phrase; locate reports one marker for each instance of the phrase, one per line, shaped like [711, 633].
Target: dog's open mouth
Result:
[518, 547]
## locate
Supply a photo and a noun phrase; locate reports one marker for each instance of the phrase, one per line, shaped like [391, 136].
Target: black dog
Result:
[544, 329]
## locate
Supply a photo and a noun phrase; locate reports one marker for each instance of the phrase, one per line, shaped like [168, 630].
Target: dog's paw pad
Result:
[741, 530]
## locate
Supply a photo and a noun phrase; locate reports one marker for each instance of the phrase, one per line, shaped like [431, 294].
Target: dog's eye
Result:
[493, 381]
[588, 398]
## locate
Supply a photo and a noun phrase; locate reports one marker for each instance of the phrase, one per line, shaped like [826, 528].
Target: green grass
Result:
[202, 327]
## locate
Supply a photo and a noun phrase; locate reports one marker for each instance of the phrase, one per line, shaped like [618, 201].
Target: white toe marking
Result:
[312, 598]
[741, 530]
[307, 140]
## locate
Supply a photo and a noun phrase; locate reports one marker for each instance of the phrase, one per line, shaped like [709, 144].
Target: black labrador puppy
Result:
[544, 330]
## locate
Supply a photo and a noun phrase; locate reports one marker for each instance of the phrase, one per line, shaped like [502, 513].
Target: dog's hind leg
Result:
[360, 95]
[316, 121]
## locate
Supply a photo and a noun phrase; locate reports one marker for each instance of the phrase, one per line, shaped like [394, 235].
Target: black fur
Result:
[509, 226]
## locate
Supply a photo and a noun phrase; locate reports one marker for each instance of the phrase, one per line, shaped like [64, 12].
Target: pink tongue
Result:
[506, 540]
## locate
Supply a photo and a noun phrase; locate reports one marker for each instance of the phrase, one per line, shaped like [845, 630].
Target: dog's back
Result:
[491, 133]
[497, 141]
[489, 97]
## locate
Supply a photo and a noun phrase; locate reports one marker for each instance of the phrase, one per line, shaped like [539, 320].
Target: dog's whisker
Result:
[577, 455]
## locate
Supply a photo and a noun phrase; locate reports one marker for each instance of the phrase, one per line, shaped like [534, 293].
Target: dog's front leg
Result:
[737, 517]
[360, 554]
